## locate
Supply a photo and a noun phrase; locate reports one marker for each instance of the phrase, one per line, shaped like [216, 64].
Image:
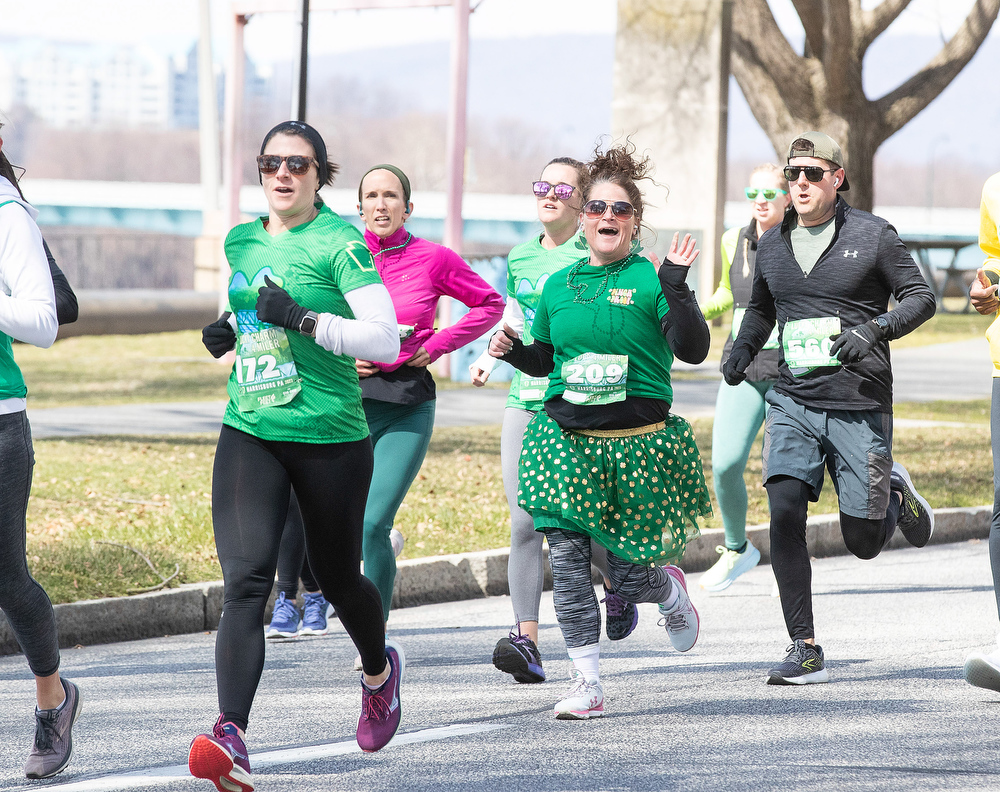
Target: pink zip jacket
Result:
[417, 273]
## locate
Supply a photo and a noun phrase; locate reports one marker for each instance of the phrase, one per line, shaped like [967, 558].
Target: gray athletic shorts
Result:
[854, 445]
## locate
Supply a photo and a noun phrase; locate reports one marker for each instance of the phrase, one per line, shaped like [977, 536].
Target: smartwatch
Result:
[883, 324]
[308, 324]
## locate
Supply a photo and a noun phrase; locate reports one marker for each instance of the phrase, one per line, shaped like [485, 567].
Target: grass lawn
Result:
[154, 496]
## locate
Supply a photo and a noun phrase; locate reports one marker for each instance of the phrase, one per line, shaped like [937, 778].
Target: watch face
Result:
[308, 326]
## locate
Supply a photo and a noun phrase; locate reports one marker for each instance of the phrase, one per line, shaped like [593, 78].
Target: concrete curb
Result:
[197, 607]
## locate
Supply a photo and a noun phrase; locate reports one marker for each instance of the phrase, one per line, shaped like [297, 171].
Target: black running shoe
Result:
[916, 518]
[803, 666]
[622, 616]
[518, 656]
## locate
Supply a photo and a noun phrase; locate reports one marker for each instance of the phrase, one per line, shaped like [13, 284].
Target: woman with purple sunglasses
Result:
[559, 198]
[605, 460]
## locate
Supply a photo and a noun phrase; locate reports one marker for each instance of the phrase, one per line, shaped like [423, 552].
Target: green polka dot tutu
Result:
[637, 492]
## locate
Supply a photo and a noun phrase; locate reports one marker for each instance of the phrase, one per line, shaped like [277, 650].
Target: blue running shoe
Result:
[622, 616]
[518, 656]
[285, 621]
[316, 614]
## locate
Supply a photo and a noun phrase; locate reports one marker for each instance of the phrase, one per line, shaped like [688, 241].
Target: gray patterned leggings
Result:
[23, 601]
[576, 604]
[525, 563]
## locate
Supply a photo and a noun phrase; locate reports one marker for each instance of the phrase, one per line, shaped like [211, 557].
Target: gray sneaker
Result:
[53, 746]
[916, 517]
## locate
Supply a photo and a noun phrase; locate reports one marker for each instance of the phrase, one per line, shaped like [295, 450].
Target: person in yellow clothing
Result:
[981, 669]
[740, 409]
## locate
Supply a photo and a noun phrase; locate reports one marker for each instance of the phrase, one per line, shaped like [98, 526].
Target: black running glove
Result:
[855, 343]
[735, 368]
[276, 306]
[219, 337]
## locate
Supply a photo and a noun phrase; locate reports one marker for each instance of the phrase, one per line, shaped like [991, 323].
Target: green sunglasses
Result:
[769, 194]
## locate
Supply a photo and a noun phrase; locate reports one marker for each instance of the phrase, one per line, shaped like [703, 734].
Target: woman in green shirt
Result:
[605, 460]
[305, 300]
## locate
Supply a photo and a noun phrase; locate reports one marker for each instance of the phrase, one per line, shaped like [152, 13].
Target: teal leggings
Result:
[739, 414]
[400, 436]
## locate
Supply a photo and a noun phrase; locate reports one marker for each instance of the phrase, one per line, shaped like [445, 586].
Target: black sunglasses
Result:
[563, 191]
[297, 165]
[813, 172]
[620, 209]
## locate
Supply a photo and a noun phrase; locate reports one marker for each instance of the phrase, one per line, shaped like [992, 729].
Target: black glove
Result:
[276, 306]
[219, 336]
[854, 343]
[735, 368]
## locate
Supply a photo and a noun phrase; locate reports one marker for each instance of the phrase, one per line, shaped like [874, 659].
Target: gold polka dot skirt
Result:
[638, 495]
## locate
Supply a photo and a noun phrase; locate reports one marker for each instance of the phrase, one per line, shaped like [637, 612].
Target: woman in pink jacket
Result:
[399, 398]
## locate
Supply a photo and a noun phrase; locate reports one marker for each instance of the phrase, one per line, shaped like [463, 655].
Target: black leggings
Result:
[788, 499]
[292, 560]
[250, 492]
[23, 601]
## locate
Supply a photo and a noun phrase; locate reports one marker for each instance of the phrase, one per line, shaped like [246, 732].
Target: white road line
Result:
[158, 776]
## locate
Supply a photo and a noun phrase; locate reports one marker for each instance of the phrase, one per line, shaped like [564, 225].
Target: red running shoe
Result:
[221, 757]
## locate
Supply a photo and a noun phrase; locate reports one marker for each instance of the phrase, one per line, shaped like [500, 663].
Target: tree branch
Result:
[772, 76]
[875, 21]
[898, 107]
[811, 16]
[841, 68]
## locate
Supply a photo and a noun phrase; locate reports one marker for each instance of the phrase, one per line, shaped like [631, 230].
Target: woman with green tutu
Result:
[605, 459]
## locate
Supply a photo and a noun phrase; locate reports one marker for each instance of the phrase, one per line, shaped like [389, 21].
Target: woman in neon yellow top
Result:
[981, 669]
[739, 409]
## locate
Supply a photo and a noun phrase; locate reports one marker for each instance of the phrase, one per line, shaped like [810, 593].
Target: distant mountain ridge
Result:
[565, 84]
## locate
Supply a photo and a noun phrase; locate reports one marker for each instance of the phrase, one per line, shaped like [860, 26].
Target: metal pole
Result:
[208, 123]
[455, 152]
[232, 175]
[301, 77]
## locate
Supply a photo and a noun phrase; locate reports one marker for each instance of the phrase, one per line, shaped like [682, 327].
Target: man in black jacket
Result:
[825, 276]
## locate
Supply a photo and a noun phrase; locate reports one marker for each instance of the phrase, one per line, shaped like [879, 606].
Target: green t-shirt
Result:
[317, 263]
[615, 311]
[808, 243]
[529, 266]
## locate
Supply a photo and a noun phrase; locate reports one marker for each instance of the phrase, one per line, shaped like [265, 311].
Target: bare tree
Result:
[822, 89]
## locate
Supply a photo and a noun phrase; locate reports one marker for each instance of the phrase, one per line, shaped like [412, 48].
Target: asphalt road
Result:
[896, 714]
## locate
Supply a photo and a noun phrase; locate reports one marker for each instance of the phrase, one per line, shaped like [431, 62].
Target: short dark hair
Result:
[327, 168]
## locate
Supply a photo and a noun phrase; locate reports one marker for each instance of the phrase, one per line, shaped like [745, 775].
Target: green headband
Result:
[394, 170]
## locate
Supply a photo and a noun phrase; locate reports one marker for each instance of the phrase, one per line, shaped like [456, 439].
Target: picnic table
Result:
[947, 272]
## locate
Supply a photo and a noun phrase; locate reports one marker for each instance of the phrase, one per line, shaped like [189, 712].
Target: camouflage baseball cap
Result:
[821, 146]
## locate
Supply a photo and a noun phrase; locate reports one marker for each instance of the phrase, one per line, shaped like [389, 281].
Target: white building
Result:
[70, 85]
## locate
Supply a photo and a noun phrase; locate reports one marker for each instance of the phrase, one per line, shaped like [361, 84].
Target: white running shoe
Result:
[584, 700]
[983, 670]
[398, 540]
[681, 621]
[730, 566]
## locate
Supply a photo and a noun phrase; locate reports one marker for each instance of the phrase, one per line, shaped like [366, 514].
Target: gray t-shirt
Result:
[808, 243]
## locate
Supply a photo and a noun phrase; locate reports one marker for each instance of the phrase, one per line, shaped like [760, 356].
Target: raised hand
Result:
[686, 253]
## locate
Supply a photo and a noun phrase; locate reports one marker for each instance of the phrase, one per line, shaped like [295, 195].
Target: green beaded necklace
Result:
[611, 273]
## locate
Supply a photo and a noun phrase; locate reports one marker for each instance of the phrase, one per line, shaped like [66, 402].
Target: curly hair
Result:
[620, 166]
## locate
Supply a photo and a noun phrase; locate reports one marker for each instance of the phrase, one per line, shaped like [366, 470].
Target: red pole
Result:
[455, 150]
